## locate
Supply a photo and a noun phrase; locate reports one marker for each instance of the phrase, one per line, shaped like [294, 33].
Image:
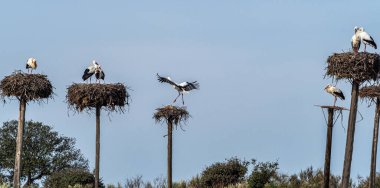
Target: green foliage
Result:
[306, 178]
[70, 177]
[44, 151]
[262, 173]
[232, 171]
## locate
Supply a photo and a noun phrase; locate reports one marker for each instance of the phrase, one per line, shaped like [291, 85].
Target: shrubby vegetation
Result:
[232, 171]
[44, 152]
[70, 177]
[54, 159]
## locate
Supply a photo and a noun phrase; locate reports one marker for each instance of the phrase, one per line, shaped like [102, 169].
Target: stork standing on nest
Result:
[366, 38]
[90, 71]
[31, 64]
[184, 87]
[336, 92]
[99, 74]
[355, 41]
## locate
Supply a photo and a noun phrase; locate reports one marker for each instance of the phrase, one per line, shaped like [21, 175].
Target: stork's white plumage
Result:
[184, 87]
[99, 74]
[366, 38]
[90, 71]
[31, 64]
[336, 92]
[355, 41]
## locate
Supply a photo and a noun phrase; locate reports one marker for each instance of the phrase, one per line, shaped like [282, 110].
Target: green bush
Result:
[230, 172]
[262, 173]
[70, 177]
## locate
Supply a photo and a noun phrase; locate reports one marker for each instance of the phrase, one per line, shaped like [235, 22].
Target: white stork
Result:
[90, 71]
[355, 41]
[335, 92]
[184, 87]
[99, 74]
[31, 64]
[366, 38]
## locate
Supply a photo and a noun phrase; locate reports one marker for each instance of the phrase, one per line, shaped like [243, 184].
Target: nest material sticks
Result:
[359, 67]
[370, 93]
[113, 97]
[171, 113]
[28, 87]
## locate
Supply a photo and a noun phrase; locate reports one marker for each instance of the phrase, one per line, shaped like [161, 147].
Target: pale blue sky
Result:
[260, 65]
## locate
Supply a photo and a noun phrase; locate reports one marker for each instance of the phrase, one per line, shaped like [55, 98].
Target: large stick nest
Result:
[113, 97]
[28, 87]
[370, 93]
[171, 113]
[354, 67]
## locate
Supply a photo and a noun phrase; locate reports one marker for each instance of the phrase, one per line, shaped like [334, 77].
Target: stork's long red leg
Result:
[183, 101]
[177, 97]
[334, 100]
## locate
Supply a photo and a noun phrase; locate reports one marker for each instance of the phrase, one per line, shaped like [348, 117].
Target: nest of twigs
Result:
[112, 97]
[28, 87]
[354, 67]
[171, 113]
[370, 93]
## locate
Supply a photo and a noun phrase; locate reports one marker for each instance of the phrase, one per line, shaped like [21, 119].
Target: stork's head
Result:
[361, 29]
[328, 86]
[356, 28]
[94, 62]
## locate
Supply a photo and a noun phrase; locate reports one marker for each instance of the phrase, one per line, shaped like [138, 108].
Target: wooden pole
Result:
[350, 135]
[170, 152]
[20, 133]
[372, 176]
[330, 124]
[97, 152]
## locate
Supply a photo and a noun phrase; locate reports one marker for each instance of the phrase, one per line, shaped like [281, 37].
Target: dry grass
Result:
[359, 67]
[171, 113]
[113, 97]
[29, 87]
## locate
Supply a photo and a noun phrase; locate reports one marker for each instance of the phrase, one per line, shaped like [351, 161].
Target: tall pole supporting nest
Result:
[172, 115]
[372, 95]
[20, 133]
[110, 97]
[350, 135]
[97, 155]
[170, 153]
[330, 124]
[357, 68]
[24, 87]
[372, 176]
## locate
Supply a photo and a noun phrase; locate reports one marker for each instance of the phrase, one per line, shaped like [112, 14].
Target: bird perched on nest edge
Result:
[365, 38]
[336, 92]
[31, 64]
[93, 69]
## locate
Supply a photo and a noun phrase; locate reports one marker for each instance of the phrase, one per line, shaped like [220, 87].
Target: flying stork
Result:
[184, 87]
[90, 71]
[355, 41]
[31, 64]
[99, 74]
[366, 38]
[335, 92]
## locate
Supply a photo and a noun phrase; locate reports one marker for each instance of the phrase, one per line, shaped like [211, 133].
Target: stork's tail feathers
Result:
[340, 95]
[371, 43]
[28, 66]
[196, 85]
